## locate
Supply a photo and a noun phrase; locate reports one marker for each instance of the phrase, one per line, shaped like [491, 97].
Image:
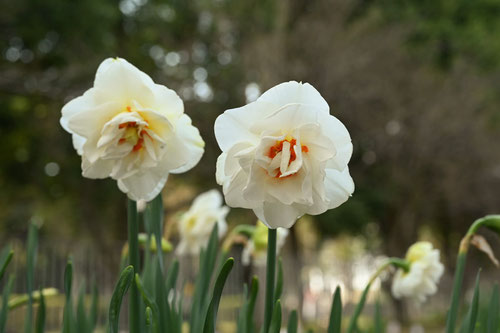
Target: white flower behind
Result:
[130, 129]
[196, 225]
[424, 274]
[284, 155]
[255, 249]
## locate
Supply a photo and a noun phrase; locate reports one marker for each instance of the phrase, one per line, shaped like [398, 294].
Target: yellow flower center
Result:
[133, 133]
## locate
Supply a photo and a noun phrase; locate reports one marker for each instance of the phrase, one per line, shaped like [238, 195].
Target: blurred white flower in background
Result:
[130, 129]
[284, 155]
[424, 274]
[255, 249]
[196, 225]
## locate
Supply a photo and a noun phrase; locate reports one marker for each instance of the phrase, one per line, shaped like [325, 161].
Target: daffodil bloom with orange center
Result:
[284, 155]
[130, 129]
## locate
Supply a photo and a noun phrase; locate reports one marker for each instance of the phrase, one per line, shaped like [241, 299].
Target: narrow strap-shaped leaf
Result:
[94, 305]
[121, 288]
[135, 313]
[154, 214]
[68, 306]
[5, 258]
[378, 325]
[493, 314]
[474, 306]
[357, 311]
[211, 315]
[5, 302]
[275, 325]
[161, 299]
[254, 289]
[457, 288]
[150, 302]
[241, 325]
[31, 262]
[279, 281]
[293, 322]
[81, 316]
[173, 272]
[336, 313]
[40, 316]
[200, 302]
[149, 320]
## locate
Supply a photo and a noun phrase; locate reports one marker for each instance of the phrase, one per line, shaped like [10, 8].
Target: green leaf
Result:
[149, 301]
[149, 319]
[293, 322]
[160, 295]
[135, 313]
[493, 314]
[457, 287]
[94, 305]
[31, 262]
[81, 316]
[211, 315]
[245, 317]
[279, 281]
[336, 313]
[241, 325]
[200, 302]
[173, 272]
[5, 302]
[121, 288]
[357, 311]
[275, 325]
[254, 289]
[68, 324]
[154, 215]
[474, 306]
[40, 317]
[5, 258]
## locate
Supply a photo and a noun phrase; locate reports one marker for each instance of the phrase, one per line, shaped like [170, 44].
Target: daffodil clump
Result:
[283, 156]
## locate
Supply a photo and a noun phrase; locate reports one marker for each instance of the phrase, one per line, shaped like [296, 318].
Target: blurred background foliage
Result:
[415, 82]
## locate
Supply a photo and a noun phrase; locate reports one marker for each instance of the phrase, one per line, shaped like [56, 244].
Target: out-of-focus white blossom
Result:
[195, 225]
[424, 273]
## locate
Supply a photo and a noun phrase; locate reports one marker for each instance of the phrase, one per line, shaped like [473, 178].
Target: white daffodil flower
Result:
[130, 129]
[195, 225]
[255, 249]
[424, 274]
[284, 155]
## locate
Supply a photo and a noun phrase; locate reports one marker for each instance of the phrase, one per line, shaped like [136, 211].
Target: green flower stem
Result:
[490, 221]
[270, 275]
[397, 262]
[133, 230]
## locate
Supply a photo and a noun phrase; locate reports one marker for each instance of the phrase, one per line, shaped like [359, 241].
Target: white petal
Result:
[98, 170]
[193, 142]
[143, 185]
[234, 189]
[232, 126]
[279, 215]
[90, 121]
[338, 187]
[295, 92]
[118, 80]
[76, 106]
[339, 136]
